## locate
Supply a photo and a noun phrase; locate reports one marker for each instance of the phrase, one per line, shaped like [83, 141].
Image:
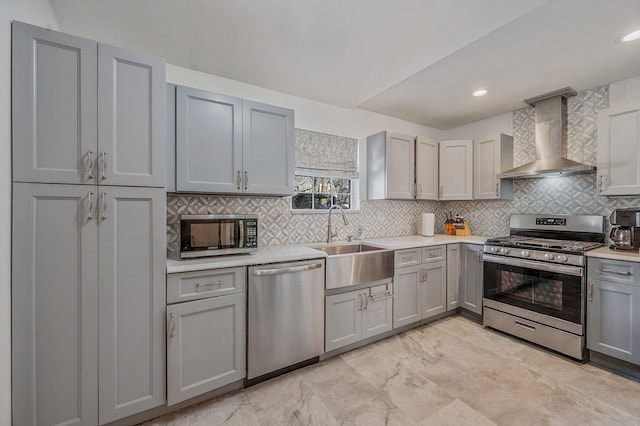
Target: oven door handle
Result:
[532, 264]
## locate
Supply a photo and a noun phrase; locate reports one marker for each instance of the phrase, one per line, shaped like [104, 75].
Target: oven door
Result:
[549, 289]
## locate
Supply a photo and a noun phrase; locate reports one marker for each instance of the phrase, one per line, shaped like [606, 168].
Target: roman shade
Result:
[320, 154]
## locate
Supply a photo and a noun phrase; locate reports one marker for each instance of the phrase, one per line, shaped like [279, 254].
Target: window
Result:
[320, 193]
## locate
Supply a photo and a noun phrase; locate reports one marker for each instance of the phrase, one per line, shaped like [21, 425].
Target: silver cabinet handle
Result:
[591, 291]
[280, 271]
[441, 191]
[246, 180]
[172, 324]
[497, 189]
[90, 164]
[479, 257]
[218, 283]
[527, 326]
[600, 183]
[239, 180]
[103, 206]
[103, 165]
[613, 271]
[419, 189]
[414, 190]
[361, 302]
[90, 201]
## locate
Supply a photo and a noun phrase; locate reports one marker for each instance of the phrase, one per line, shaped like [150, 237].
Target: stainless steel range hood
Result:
[551, 140]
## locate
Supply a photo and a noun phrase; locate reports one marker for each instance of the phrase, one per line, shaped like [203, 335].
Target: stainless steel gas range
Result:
[535, 279]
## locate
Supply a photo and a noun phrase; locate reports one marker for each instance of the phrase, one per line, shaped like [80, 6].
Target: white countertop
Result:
[266, 254]
[293, 252]
[607, 253]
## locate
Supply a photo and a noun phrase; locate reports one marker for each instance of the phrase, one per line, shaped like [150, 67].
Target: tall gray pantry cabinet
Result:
[89, 230]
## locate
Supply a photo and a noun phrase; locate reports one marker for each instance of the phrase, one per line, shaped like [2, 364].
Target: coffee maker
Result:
[626, 232]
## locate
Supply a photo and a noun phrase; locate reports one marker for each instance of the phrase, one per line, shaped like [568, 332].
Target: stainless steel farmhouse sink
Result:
[354, 264]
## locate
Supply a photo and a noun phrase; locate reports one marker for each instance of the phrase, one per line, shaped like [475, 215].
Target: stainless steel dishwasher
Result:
[285, 316]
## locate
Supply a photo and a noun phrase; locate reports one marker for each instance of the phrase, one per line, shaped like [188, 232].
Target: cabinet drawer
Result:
[614, 270]
[408, 257]
[433, 254]
[202, 284]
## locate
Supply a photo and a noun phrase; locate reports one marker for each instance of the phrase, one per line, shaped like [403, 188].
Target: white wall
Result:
[36, 12]
[502, 123]
[310, 115]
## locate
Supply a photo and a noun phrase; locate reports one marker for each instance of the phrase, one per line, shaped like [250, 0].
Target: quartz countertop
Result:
[607, 253]
[294, 252]
[266, 254]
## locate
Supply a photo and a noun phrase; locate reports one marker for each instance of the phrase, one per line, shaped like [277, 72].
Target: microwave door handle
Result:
[241, 232]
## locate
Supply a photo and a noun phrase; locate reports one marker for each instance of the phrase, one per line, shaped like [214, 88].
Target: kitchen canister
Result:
[428, 221]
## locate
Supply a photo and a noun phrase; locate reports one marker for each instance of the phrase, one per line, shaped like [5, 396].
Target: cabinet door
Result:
[456, 170]
[613, 319]
[54, 305]
[208, 142]
[54, 105]
[471, 283]
[426, 169]
[377, 310]
[131, 118]
[453, 276]
[205, 345]
[132, 249]
[171, 137]
[433, 291]
[268, 146]
[491, 156]
[400, 166]
[619, 150]
[406, 298]
[343, 320]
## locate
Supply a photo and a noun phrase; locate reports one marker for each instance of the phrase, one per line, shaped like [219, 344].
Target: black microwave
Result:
[213, 235]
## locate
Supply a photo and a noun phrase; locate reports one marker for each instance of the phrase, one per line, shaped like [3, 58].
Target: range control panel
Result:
[552, 221]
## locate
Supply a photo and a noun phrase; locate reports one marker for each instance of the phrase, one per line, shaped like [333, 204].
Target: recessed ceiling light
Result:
[632, 36]
[480, 92]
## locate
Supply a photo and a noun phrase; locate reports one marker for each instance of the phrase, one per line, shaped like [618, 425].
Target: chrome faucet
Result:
[330, 233]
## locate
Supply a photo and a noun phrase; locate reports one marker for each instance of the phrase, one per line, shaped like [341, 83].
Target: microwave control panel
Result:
[251, 233]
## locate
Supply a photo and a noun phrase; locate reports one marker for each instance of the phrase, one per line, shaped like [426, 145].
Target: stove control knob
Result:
[563, 258]
[495, 249]
[504, 251]
[549, 256]
[525, 253]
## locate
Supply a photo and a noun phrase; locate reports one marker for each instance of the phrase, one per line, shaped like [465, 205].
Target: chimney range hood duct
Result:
[551, 140]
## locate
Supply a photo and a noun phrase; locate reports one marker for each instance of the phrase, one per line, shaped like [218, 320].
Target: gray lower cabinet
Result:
[357, 315]
[421, 289]
[132, 300]
[205, 345]
[88, 295]
[454, 274]
[84, 112]
[613, 309]
[471, 277]
[229, 145]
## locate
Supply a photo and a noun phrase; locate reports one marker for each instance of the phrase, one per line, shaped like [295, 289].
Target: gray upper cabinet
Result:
[208, 142]
[54, 102]
[391, 166]
[426, 169]
[618, 150]
[492, 155]
[230, 145]
[55, 305]
[84, 112]
[131, 118]
[471, 278]
[268, 147]
[456, 169]
[131, 300]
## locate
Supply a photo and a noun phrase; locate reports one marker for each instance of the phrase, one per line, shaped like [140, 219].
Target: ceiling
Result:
[418, 60]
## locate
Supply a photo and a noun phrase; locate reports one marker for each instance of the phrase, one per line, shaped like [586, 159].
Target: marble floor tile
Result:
[451, 372]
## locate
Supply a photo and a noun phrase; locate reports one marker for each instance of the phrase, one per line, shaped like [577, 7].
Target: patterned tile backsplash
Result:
[385, 218]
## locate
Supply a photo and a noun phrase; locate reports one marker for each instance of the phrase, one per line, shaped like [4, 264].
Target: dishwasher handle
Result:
[281, 271]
